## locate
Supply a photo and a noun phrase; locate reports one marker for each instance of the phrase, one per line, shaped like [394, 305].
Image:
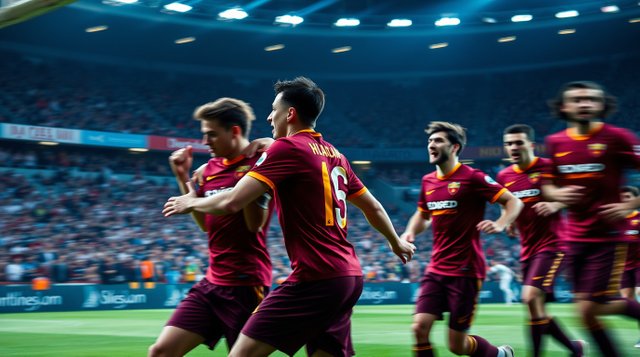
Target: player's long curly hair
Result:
[610, 102]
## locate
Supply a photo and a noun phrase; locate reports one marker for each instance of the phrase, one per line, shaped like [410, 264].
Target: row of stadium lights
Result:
[277, 47]
[238, 13]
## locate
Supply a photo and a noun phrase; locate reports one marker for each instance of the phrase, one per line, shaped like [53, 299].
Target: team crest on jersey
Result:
[534, 177]
[241, 170]
[453, 187]
[634, 222]
[597, 149]
[636, 150]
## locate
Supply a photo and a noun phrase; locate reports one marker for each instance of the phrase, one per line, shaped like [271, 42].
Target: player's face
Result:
[440, 148]
[626, 196]
[582, 104]
[278, 117]
[219, 140]
[518, 148]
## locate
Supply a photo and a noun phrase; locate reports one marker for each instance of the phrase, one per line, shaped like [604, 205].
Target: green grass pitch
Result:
[378, 331]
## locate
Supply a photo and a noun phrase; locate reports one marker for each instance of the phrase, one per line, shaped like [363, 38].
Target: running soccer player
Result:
[312, 182]
[588, 160]
[239, 272]
[538, 225]
[630, 284]
[452, 201]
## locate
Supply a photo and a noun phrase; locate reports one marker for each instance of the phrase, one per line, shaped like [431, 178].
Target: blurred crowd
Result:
[362, 114]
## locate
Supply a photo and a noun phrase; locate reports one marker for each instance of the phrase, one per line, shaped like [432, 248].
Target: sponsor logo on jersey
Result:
[453, 187]
[636, 150]
[635, 222]
[631, 232]
[580, 168]
[597, 149]
[438, 205]
[489, 180]
[217, 191]
[562, 154]
[527, 193]
[429, 192]
[509, 183]
[209, 178]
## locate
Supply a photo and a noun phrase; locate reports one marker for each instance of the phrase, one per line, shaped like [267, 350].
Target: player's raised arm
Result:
[180, 162]
[378, 219]
[246, 191]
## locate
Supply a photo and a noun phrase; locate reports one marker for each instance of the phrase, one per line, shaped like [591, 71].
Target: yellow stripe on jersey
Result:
[357, 194]
[261, 178]
[328, 197]
[497, 195]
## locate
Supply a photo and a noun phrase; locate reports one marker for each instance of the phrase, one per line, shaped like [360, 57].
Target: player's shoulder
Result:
[557, 136]
[543, 162]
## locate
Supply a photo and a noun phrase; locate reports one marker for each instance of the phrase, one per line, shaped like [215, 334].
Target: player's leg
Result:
[193, 322]
[539, 275]
[431, 304]
[462, 295]
[596, 269]
[246, 346]
[174, 341]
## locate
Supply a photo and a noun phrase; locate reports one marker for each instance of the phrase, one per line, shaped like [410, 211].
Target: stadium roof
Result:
[146, 34]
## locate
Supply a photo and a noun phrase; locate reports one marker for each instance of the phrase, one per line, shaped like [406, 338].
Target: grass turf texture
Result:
[378, 331]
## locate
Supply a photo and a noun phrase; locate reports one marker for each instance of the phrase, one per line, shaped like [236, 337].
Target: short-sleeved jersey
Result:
[312, 181]
[537, 233]
[595, 161]
[631, 230]
[237, 256]
[456, 203]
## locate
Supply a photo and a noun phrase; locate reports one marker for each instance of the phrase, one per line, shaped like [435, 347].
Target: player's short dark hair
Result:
[455, 133]
[630, 189]
[228, 112]
[521, 129]
[610, 102]
[304, 95]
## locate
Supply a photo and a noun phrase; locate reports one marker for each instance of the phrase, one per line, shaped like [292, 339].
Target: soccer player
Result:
[452, 201]
[630, 285]
[538, 223]
[239, 272]
[312, 182]
[588, 159]
[505, 278]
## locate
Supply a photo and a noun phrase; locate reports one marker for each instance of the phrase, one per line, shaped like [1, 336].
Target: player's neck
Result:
[242, 144]
[582, 128]
[294, 129]
[446, 167]
[526, 163]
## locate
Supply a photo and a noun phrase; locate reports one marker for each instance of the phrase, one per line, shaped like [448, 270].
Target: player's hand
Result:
[569, 195]
[408, 236]
[198, 175]
[181, 204]
[545, 209]
[489, 226]
[613, 212]
[257, 145]
[181, 161]
[404, 250]
[512, 231]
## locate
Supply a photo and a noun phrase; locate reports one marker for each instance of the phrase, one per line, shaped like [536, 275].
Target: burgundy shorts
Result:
[315, 313]
[630, 279]
[213, 311]
[596, 268]
[541, 270]
[458, 295]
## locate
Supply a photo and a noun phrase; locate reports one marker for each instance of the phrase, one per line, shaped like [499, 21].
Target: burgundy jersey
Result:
[596, 161]
[312, 181]
[456, 203]
[537, 233]
[237, 256]
[631, 230]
